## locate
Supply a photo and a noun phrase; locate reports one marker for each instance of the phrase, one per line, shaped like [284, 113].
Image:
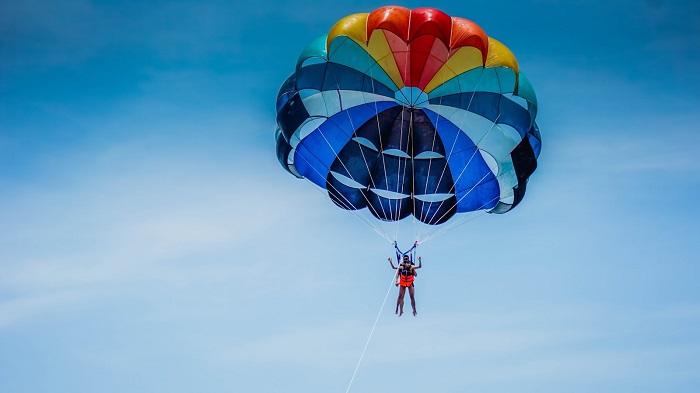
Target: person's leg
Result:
[399, 300]
[412, 292]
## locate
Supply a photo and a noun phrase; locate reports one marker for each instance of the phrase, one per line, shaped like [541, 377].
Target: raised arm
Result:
[391, 263]
[419, 263]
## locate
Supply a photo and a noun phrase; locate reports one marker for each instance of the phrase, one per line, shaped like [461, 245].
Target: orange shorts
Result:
[406, 281]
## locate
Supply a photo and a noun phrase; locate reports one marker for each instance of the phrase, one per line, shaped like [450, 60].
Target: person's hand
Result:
[389, 259]
[418, 259]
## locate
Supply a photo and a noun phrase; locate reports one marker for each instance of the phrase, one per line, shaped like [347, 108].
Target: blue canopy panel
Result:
[353, 170]
[373, 169]
[291, 112]
[350, 174]
[316, 151]
[283, 151]
[395, 166]
[501, 110]
[291, 116]
[332, 76]
[390, 198]
[287, 90]
[475, 187]
[524, 158]
[492, 106]
[434, 197]
[535, 139]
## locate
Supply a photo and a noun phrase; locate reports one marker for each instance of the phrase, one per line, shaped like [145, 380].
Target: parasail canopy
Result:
[410, 113]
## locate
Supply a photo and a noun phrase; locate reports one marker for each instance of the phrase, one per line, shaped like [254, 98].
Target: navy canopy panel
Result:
[404, 121]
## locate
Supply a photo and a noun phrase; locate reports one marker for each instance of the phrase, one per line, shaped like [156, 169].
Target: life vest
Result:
[406, 276]
[405, 272]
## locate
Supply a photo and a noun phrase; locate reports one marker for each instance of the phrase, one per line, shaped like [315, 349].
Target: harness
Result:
[405, 272]
[406, 275]
[400, 254]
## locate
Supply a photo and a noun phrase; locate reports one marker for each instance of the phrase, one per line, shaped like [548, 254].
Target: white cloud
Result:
[551, 344]
[646, 154]
[18, 310]
[179, 185]
[438, 337]
[159, 217]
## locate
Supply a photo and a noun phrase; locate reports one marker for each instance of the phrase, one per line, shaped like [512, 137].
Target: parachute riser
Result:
[411, 252]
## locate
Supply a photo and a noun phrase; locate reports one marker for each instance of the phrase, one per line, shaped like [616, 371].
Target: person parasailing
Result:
[405, 276]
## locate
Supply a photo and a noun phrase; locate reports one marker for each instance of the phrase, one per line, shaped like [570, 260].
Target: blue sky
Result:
[150, 242]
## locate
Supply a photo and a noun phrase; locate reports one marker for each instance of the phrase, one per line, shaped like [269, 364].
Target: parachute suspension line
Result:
[408, 173]
[401, 178]
[432, 147]
[476, 150]
[401, 185]
[459, 222]
[413, 183]
[437, 122]
[347, 204]
[398, 169]
[396, 209]
[381, 147]
[474, 186]
[468, 217]
[369, 171]
[376, 110]
[369, 205]
[349, 207]
[462, 173]
[354, 212]
[381, 154]
[393, 278]
[454, 144]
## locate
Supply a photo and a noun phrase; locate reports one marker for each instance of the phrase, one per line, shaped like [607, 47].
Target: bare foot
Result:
[415, 313]
[401, 313]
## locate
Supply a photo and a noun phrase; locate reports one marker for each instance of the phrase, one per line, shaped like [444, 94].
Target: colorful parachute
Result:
[410, 112]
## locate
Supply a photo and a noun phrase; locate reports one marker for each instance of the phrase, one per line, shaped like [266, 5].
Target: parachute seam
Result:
[454, 182]
[381, 147]
[423, 211]
[354, 208]
[454, 143]
[466, 166]
[354, 129]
